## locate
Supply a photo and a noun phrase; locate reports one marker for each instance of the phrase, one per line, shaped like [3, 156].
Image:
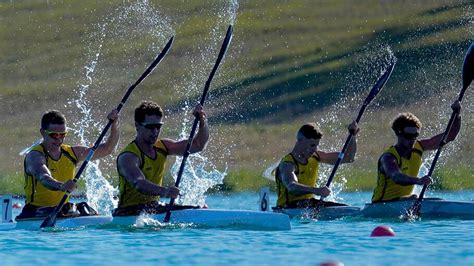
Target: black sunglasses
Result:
[151, 125]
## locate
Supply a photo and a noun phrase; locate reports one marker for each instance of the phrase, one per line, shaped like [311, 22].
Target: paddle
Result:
[51, 218]
[225, 45]
[467, 75]
[373, 92]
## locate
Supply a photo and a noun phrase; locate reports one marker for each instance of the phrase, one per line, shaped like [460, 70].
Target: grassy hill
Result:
[290, 62]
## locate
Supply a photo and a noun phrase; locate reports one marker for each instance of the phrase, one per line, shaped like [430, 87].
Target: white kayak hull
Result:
[326, 213]
[430, 209]
[212, 218]
[76, 222]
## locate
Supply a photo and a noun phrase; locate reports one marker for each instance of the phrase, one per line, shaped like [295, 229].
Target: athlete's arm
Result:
[290, 180]
[128, 166]
[199, 141]
[390, 168]
[36, 166]
[106, 147]
[433, 142]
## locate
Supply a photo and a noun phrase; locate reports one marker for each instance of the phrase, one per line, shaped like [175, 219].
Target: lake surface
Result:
[430, 242]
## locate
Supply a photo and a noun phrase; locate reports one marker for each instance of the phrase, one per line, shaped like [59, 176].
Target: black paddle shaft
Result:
[372, 94]
[225, 45]
[51, 218]
[467, 76]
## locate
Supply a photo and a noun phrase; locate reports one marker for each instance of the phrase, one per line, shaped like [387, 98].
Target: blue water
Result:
[447, 242]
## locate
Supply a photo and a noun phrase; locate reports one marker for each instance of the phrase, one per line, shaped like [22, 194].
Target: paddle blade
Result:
[468, 67]
[226, 42]
[50, 221]
[414, 212]
[381, 82]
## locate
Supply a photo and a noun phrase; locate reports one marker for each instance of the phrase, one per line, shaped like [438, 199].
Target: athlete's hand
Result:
[172, 192]
[456, 106]
[426, 180]
[199, 112]
[113, 116]
[322, 191]
[353, 128]
[68, 186]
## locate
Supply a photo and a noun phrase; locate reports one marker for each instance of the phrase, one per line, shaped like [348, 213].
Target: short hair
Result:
[309, 131]
[404, 120]
[147, 108]
[52, 117]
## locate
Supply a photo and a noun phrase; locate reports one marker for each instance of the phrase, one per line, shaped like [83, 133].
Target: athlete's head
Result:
[53, 127]
[148, 121]
[307, 140]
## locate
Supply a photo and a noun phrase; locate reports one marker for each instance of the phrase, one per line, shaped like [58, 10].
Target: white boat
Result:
[431, 208]
[242, 219]
[202, 218]
[215, 218]
[326, 213]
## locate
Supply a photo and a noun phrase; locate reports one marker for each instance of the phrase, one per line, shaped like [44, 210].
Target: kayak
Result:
[215, 218]
[206, 218]
[431, 208]
[326, 213]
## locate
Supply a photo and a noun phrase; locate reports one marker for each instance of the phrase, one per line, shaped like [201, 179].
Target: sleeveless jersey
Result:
[62, 170]
[153, 170]
[386, 188]
[307, 174]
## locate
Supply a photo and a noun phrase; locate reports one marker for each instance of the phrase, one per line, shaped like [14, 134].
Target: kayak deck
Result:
[215, 218]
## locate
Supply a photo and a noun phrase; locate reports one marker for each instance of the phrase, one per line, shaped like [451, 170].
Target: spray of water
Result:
[140, 19]
[200, 173]
[125, 23]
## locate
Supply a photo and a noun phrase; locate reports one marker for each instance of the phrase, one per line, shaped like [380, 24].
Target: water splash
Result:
[129, 22]
[372, 63]
[200, 173]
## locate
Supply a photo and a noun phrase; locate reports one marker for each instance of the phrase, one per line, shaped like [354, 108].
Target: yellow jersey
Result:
[307, 174]
[386, 188]
[153, 169]
[62, 170]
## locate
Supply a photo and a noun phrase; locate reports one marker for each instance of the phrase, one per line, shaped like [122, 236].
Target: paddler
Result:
[141, 165]
[297, 173]
[50, 167]
[399, 165]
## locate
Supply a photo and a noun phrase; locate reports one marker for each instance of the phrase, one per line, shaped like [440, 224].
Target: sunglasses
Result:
[55, 134]
[409, 136]
[152, 126]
